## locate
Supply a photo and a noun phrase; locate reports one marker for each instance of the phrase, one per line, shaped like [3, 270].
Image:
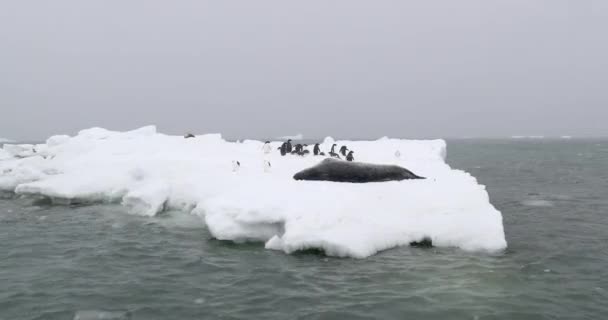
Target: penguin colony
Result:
[300, 150]
[287, 148]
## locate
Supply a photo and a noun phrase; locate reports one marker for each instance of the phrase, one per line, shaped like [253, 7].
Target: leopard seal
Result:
[356, 172]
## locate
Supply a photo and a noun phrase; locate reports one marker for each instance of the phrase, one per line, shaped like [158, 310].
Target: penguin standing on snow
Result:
[283, 148]
[288, 146]
[350, 157]
[343, 150]
[299, 148]
[316, 150]
[267, 148]
[332, 152]
[267, 166]
[235, 166]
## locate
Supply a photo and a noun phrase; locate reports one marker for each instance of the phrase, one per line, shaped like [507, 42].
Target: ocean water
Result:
[97, 262]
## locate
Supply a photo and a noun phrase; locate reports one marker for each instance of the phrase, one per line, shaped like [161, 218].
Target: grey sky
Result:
[268, 68]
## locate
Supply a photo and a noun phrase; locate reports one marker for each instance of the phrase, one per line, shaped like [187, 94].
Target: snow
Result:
[5, 154]
[4, 140]
[149, 172]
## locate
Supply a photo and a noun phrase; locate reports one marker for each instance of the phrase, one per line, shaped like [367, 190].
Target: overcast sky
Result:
[269, 68]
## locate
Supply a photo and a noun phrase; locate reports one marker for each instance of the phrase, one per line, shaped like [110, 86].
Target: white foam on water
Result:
[102, 315]
[149, 172]
[537, 203]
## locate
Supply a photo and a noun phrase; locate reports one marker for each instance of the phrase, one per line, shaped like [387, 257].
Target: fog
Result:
[349, 69]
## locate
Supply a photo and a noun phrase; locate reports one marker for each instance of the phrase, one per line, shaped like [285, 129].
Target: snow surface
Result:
[149, 172]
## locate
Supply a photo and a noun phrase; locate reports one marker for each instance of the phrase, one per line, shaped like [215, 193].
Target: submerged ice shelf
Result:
[149, 172]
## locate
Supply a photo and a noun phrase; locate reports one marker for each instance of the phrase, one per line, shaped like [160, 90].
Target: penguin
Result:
[303, 153]
[235, 166]
[188, 135]
[288, 146]
[316, 150]
[283, 148]
[397, 154]
[267, 166]
[332, 153]
[343, 150]
[333, 147]
[350, 157]
[267, 148]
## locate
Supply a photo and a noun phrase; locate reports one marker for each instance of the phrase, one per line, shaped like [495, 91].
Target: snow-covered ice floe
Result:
[149, 172]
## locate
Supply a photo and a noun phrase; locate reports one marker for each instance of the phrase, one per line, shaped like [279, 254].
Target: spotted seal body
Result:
[356, 172]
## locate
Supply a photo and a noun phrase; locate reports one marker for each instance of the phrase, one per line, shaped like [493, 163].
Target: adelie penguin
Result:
[303, 153]
[316, 150]
[298, 148]
[332, 152]
[283, 148]
[267, 166]
[350, 157]
[235, 166]
[343, 150]
[267, 148]
[288, 146]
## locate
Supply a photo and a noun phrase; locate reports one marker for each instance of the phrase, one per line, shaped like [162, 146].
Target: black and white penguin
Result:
[332, 152]
[235, 166]
[188, 136]
[288, 146]
[283, 148]
[303, 152]
[343, 150]
[316, 150]
[267, 166]
[267, 148]
[350, 157]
